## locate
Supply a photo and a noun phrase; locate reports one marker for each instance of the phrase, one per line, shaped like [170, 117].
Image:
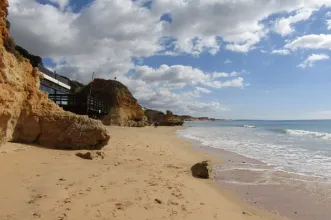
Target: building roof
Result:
[46, 71]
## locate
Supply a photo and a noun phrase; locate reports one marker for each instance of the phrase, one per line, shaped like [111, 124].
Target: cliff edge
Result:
[26, 113]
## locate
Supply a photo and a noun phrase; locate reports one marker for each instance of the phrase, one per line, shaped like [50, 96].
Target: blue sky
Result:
[180, 56]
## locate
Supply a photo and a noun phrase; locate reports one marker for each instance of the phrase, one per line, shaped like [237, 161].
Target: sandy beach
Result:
[145, 175]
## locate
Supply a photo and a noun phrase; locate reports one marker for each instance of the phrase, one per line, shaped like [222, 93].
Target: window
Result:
[47, 89]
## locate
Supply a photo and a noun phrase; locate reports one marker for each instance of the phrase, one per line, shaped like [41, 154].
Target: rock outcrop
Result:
[168, 119]
[124, 108]
[200, 170]
[26, 113]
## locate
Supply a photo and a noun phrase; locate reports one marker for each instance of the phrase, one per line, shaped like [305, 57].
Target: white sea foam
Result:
[249, 126]
[302, 133]
[284, 151]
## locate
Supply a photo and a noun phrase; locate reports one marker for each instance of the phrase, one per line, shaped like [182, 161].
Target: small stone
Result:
[158, 201]
[62, 179]
[86, 156]
[295, 212]
[92, 155]
[38, 215]
[247, 213]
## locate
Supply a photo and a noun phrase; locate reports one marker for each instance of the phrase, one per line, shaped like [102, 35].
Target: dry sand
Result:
[142, 165]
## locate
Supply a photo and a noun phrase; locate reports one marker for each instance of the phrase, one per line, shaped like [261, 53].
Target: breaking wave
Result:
[249, 126]
[303, 133]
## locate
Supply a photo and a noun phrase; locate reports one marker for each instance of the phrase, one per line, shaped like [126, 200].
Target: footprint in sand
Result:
[122, 205]
[36, 198]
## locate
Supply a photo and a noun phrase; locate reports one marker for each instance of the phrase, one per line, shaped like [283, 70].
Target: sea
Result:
[291, 158]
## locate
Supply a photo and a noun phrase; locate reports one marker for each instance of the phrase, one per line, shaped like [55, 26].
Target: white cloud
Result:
[232, 74]
[162, 98]
[202, 90]
[219, 75]
[309, 62]
[284, 26]
[312, 41]
[106, 35]
[162, 88]
[171, 74]
[115, 31]
[61, 3]
[281, 52]
[328, 23]
[180, 76]
[92, 40]
[227, 61]
[238, 82]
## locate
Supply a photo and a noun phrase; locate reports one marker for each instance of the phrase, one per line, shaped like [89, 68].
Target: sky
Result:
[233, 59]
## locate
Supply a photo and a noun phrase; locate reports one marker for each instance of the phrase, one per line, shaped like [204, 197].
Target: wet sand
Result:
[287, 194]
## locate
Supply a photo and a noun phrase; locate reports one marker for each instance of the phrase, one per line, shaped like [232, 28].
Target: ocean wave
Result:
[249, 126]
[303, 133]
[282, 152]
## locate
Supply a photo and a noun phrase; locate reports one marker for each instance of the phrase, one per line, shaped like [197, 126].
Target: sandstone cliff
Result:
[125, 110]
[26, 113]
[168, 119]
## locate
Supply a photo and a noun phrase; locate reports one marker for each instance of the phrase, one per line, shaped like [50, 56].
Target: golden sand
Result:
[144, 176]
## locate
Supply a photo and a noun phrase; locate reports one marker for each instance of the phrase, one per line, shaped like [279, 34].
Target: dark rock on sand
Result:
[91, 155]
[158, 201]
[200, 170]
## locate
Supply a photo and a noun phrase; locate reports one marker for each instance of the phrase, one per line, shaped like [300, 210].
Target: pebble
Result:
[158, 201]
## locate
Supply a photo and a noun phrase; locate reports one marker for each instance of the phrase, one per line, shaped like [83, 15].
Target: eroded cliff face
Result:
[26, 113]
[125, 110]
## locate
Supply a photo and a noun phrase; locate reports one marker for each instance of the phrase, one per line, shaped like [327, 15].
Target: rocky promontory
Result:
[26, 113]
[124, 108]
[168, 119]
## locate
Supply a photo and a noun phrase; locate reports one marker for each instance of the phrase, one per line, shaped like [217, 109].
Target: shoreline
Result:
[142, 166]
[292, 195]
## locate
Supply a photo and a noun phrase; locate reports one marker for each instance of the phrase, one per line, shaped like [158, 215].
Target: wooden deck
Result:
[80, 105]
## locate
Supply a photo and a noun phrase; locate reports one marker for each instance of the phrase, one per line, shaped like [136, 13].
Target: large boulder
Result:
[26, 113]
[200, 170]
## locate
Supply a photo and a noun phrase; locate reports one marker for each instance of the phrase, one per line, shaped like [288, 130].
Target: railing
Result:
[80, 105]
